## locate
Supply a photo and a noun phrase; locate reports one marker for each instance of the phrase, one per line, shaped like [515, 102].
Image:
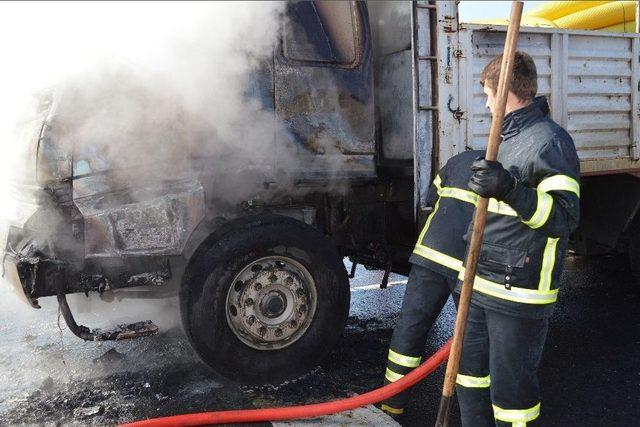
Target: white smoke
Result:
[139, 79]
[134, 80]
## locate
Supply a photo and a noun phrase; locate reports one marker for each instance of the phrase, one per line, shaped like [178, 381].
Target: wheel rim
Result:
[271, 303]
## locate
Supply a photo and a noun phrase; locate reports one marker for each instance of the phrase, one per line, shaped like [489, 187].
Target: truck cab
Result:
[253, 242]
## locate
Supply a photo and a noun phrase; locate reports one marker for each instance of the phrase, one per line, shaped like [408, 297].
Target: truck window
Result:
[320, 31]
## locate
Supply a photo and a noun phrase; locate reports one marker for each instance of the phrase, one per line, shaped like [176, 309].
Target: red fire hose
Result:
[305, 411]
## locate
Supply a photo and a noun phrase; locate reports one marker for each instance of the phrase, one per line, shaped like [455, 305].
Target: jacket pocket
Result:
[505, 265]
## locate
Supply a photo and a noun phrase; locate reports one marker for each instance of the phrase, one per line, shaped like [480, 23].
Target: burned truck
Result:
[369, 100]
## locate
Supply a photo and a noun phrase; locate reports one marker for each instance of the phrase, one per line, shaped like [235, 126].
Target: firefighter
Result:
[436, 262]
[537, 177]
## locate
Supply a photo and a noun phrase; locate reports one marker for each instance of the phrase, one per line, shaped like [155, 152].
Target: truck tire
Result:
[265, 300]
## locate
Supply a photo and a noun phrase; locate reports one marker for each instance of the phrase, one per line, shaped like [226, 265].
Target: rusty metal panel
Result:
[396, 112]
[450, 121]
[425, 106]
[327, 108]
[592, 82]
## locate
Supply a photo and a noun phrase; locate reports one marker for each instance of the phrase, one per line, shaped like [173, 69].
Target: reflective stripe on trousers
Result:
[473, 382]
[519, 417]
[392, 410]
[392, 376]
[404, 360]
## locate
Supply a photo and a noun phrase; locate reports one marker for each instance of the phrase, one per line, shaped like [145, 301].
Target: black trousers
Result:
[497, 382]
[425, 295]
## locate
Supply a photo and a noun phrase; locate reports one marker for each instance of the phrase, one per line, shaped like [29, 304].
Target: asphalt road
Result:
[590, 374]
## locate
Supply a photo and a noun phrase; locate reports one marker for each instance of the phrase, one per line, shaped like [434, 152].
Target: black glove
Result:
[490, 179]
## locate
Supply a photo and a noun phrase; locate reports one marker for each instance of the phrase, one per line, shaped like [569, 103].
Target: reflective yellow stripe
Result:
[516, 415]
[436, 182]
[543, 210]
[548, 262]
[559, 183]
[516, 294]
[437, 257]
[501, 208]
[392, 376]
[470, 197]
[391, 410]
[402, 360]
[473, 382]
[456, 193]
[545, 201]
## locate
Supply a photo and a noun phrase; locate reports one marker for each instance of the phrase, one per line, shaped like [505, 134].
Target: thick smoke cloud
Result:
[135, 84]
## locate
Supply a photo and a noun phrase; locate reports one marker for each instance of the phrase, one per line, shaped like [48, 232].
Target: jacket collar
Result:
[524, 117]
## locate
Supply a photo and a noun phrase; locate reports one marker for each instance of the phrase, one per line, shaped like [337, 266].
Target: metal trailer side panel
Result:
[591, 79]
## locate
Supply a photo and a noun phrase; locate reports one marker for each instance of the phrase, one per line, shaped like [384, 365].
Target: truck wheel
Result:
[266, 300]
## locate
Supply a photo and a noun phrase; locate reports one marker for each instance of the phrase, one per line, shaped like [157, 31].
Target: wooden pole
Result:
[480, 218]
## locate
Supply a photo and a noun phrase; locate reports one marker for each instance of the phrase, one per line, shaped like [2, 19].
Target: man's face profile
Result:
[491, 99]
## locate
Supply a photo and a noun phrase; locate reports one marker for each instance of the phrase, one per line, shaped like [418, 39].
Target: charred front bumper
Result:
[11, 267]
[101, 242]
[28, 269]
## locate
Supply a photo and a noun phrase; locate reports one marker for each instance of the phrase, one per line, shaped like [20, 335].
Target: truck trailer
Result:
[394, 87]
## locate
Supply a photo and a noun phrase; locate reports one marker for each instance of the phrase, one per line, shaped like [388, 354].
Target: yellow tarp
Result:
[605, 15]
[584, 15]
[625, 27]
[553, 10]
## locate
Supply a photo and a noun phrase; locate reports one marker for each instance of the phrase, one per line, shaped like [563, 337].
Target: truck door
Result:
[324, 84]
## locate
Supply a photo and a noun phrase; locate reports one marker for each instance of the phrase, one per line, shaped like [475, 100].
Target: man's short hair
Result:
[525, 77]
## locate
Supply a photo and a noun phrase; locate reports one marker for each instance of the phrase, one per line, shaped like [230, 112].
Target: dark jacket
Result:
[524, 248]
[440, 246]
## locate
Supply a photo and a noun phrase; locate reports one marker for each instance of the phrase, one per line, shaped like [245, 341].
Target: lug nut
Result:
[293, 324]
[289, 280]
[249, 302]
[262, 331]
[273, 278]
[278, 332]
[258, 286]
[300, 292]
[302, 309]
[251, 320]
